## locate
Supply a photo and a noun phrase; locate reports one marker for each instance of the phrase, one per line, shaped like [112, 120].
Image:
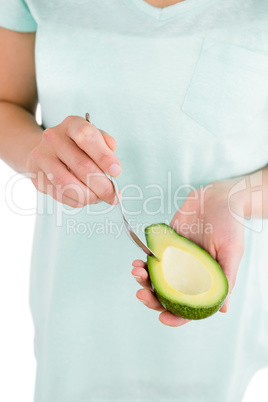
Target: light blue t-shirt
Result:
[184, 91]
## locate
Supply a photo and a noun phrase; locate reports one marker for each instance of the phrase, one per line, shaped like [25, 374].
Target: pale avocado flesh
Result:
[186, 280]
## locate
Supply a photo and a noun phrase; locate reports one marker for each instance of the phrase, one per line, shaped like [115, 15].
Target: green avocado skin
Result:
[187, 312]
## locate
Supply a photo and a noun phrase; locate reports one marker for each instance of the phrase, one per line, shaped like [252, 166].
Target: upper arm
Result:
[17, 68]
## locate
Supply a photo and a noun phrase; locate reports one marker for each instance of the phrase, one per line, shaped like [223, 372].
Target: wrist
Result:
[239, 195]
[236, 194]
[26, 165]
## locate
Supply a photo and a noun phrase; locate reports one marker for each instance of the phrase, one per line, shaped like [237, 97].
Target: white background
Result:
[17, 361]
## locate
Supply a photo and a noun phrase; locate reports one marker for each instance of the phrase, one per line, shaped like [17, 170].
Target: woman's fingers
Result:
[92, 142]
[145, 295]
[140, 274]
[172, 320]
[75, 156]
[148, 298]
[139, 263]
[64, 181]
[226, 304]
[142, 277]
[87, 171]
[110, 141]
[229, 257]
[46, 187]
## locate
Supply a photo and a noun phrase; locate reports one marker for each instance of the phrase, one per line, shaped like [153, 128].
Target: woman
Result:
[182, 88]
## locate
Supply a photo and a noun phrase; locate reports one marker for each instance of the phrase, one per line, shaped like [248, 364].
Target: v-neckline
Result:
[169, 11]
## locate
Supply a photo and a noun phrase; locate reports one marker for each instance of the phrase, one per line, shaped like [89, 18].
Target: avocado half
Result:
[186, 280]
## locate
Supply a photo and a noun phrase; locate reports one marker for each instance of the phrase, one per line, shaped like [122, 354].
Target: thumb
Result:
[110, 141]
[226, 304]
[229, 259]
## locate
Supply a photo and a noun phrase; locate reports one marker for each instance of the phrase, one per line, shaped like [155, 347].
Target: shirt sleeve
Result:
[15, 15]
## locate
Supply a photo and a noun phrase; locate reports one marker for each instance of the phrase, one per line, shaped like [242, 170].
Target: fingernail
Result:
[143, 301]
[137, 277]
[120, 195]
[115, 169]
[114, 201]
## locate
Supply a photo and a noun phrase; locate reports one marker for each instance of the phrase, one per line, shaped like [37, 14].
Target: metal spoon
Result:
[128, 229]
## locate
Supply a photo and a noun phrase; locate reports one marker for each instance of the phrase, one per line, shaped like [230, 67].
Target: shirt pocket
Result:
[228, 89]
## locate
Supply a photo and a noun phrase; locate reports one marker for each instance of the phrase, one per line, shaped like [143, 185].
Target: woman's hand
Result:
[147, 296]
[70, 161]
[206, 219]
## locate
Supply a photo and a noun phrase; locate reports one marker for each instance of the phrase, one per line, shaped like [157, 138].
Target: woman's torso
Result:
[184, 91]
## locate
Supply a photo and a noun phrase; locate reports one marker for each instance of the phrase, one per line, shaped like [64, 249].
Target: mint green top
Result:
[184, 90]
